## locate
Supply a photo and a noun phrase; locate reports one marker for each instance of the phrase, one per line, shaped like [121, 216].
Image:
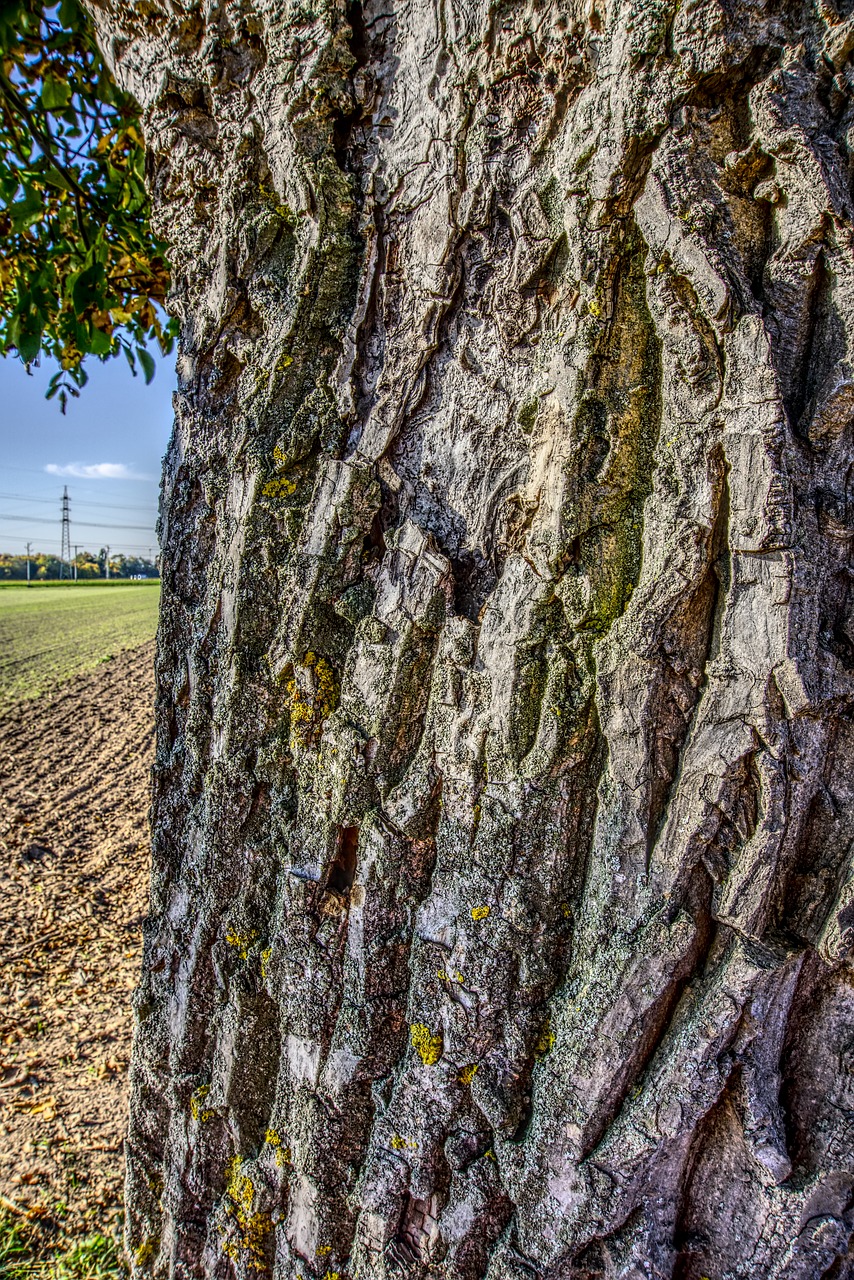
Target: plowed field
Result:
[74, 772]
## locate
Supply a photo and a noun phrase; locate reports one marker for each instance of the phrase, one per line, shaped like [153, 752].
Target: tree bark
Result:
[502, 901]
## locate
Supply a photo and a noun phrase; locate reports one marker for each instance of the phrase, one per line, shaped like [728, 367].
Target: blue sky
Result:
[107, 448]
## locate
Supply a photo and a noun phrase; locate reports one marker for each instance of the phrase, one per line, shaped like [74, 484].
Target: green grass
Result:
[92, 1259]
[15, 584]
[25, 1254]
[14, 1246]
[47, 637]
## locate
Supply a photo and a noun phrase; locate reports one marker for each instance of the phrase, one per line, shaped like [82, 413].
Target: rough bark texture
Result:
[502, 905]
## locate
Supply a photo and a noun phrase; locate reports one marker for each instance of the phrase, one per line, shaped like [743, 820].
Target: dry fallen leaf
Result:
[46, 1108]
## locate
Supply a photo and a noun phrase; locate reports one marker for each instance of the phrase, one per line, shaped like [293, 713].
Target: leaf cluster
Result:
[81, 272]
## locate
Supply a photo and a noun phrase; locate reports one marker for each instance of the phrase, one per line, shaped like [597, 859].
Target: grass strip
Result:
[47, 637]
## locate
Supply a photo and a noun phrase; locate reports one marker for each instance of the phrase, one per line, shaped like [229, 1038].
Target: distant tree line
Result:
[45, 567]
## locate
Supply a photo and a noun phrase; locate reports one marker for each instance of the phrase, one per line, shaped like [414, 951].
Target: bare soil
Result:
[74, 860]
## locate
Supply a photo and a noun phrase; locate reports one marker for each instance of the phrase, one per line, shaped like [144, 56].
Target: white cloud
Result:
[95, 471]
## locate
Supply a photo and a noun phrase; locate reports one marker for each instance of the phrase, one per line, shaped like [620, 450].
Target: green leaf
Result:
[100, 343]
[54, 178]
[55, 94]
[24, 213]
[87, 290]
[69, 13]
[29, 345]
[148, 366]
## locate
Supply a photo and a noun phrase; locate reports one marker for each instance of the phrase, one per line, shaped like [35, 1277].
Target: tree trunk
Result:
[502, 902]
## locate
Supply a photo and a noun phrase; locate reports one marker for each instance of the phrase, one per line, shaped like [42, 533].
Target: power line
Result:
[118, 546]
[86, 524]
[81, 502]
[20, 497]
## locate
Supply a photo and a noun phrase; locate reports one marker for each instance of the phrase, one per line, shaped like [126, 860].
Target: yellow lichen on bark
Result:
[426, 1045]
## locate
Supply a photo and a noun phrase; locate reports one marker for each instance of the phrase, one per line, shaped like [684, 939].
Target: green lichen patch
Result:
[545, 1040]
[527, 416]
[616, 428]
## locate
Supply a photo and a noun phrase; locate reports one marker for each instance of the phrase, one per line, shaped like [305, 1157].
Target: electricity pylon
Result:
[65, 553]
